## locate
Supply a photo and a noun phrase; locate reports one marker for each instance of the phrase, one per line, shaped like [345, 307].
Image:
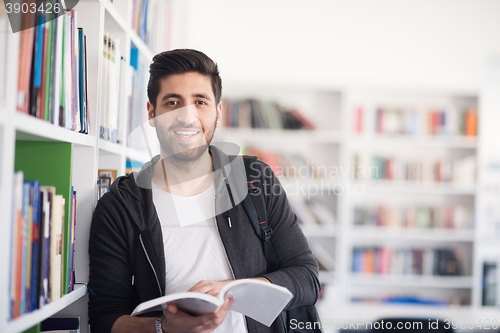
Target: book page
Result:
[259, 300]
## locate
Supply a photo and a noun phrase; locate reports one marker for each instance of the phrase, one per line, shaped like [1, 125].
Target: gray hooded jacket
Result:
[127, 260]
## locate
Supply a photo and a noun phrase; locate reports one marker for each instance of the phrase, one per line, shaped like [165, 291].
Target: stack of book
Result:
[457, 217]
[148, 18]
[252, 113]
[137, 113]
[490, 282]
[116, 90]
[43, 243]
[52, 74]
[409, 121]
[460, 171]
[286, 164]
[312, 212]
[408, 261]
[104, 181]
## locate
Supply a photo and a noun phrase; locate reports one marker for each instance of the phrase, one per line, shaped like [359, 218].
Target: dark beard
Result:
[178, 155]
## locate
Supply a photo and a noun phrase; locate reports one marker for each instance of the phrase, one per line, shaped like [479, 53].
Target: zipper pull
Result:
[133, 276]
[229, 220]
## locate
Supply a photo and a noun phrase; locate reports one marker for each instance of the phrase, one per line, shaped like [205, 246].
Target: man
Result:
[179, 225]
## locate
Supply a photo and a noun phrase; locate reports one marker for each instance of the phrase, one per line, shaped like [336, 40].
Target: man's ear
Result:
[219, 115]
[151, 114]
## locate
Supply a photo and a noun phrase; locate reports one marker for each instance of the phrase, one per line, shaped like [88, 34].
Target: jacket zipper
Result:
[220, 238]
[156, 276]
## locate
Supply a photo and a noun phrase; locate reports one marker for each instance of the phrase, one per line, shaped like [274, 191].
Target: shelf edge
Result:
[30, 319]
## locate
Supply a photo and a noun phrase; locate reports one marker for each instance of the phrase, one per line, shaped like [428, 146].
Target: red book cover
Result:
[306, 122]
[358, 120]
[382, 216]
[385, 260]
[471, 123]
[369, 261]
[25, 59]
[389, 174]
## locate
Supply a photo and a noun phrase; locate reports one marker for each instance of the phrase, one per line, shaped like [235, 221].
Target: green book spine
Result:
[48, 73]
[62, 98]
[34, 329]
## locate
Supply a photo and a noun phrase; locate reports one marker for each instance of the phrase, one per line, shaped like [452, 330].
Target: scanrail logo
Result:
[26, 14]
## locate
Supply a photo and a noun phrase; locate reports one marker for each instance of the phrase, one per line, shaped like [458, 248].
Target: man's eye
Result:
[201, 102]
[172, 103]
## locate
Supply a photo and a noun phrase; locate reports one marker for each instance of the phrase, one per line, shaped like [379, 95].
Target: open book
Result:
[258, 300]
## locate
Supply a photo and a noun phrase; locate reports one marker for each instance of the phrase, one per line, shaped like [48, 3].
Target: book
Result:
[489, 284]
[25, 57]
[17, 227]
[35, 200]
[58, 69]
[261, 301]
[75, 64]
[56, 228]
[103, 93]
[68, 72]
[46, 193]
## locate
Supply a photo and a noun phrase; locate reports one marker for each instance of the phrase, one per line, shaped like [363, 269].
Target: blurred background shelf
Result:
[428, 142]
[399, 187]
[414, 281]
[407, 234]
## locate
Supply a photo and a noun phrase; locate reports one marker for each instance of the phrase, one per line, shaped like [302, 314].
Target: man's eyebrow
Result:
[202, 95]
[167, 96]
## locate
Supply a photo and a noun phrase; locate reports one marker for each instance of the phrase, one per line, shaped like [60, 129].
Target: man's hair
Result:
[182, 61]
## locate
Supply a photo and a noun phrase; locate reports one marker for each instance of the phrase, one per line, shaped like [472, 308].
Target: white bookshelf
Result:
[28, 320]
[335, 138]
[89, 153]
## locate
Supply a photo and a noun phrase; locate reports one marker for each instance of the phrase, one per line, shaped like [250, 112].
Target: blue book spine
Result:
[39, 52]
[356, 261]
[46, 249]
[35, 241]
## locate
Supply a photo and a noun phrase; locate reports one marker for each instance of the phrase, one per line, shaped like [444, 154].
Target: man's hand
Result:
[178, 321]
[214, 287]
[209, 287]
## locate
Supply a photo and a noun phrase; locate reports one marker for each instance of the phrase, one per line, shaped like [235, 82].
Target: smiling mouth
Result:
[186, 134]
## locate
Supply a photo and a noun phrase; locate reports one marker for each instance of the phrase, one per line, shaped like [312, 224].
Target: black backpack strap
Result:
[255, 206]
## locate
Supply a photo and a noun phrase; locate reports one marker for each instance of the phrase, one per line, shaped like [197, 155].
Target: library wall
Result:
[442, 44]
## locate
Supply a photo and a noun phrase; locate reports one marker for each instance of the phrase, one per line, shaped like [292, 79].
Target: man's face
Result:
[186, 116]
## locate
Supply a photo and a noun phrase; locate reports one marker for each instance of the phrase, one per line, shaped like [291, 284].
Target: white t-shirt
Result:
[193, 247]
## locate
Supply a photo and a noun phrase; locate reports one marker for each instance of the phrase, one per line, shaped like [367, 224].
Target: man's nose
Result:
[188, 114]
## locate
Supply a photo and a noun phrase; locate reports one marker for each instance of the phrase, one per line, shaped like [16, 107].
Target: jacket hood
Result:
[135, 194]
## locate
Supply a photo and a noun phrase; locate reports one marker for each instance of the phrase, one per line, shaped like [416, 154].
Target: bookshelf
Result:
[289, 152]
[26, 142]
[338, 138]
